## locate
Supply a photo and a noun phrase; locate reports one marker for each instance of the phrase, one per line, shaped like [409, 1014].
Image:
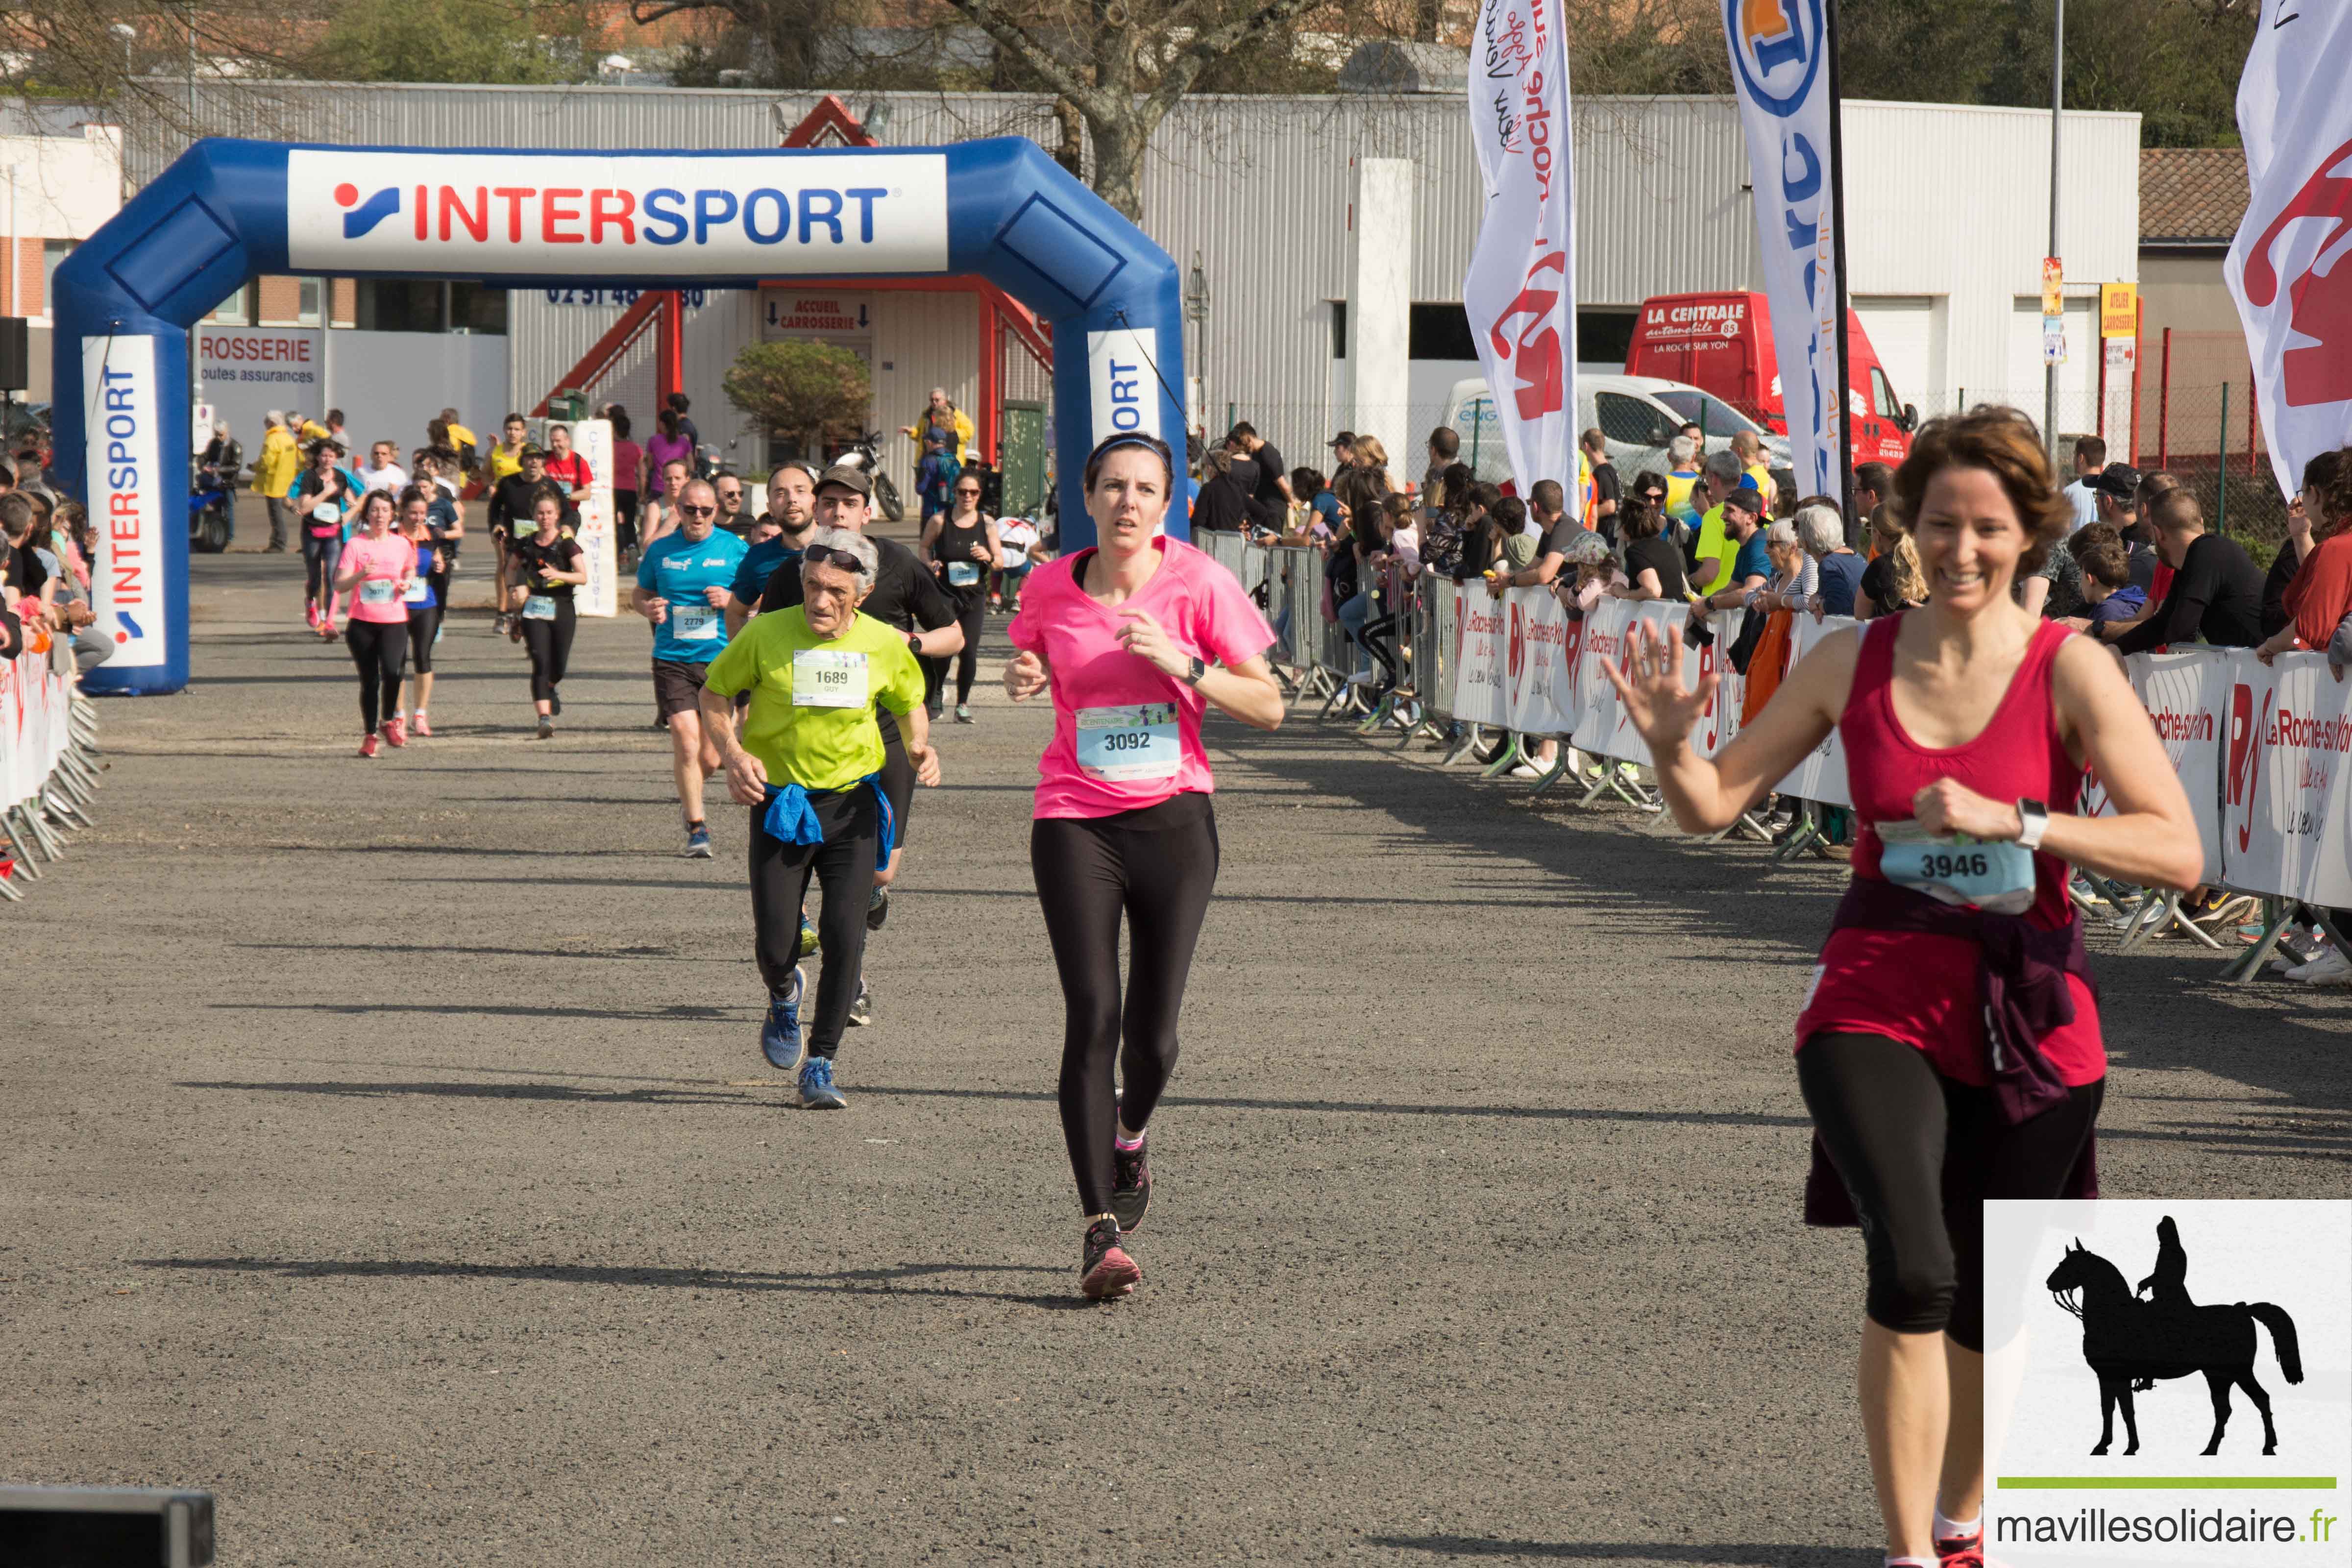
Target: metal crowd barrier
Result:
[48, 745]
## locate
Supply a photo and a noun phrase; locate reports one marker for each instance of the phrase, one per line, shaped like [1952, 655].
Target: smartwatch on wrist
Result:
[915, 644]
[1194, 670]
[2033, 818]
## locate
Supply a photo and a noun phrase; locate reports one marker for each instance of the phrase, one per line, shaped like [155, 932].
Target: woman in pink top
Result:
[1948, 1047]
[1135, 639]
[375, 569]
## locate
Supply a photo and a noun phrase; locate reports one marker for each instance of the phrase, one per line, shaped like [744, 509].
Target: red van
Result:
[1722, 345]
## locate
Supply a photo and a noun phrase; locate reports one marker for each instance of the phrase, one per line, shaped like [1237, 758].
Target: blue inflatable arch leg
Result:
[227, 211]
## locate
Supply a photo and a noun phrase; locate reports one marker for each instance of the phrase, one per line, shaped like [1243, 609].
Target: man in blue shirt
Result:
[683, 588]
[777, 539]
[1751, 568]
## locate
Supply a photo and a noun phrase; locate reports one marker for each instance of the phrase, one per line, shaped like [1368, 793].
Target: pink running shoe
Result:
[367, 746]
[311, 615]
[394, 732]
[1105, 1270]
[421, 727]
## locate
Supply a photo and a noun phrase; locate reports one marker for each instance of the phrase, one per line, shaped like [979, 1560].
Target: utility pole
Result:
[2057, 102]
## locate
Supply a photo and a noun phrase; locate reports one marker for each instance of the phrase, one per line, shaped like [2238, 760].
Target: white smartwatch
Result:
[2033, 819]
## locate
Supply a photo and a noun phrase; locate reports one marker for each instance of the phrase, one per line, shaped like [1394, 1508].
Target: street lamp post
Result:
[2057, 102]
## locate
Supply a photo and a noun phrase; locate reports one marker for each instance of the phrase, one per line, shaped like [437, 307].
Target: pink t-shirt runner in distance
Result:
[386, 562]
[1127, 707]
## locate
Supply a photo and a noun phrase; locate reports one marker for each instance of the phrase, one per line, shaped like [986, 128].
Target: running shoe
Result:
[2319, 970]
[963, 713]
[698, 842]
[861, 1008]
[555, 704]
[326, 631]
[1527, 771]
[1130, 1185]
[817, 1092]
[878, 908]
[368, 745]
[1105, 1270]
[546, 727]
[1967, 1550]
[394, 732]
[808, 937]
[780, 1040]
[419, 727]
[311, 616]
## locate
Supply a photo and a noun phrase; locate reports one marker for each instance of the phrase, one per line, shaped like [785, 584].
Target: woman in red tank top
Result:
[1949, 1048]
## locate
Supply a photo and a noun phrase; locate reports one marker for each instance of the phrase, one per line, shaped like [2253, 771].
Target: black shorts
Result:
[677, 686]
[897, 771]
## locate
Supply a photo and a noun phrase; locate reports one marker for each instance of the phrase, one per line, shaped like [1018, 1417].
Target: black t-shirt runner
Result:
[563, 556]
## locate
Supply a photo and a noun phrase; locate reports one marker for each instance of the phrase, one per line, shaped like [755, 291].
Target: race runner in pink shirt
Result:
[375, 568]
[1135, 639]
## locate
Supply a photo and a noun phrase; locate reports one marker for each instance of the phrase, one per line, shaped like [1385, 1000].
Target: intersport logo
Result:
[521, 214]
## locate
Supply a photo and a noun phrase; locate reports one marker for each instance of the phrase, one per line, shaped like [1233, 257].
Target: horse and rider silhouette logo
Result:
[2132, 1344]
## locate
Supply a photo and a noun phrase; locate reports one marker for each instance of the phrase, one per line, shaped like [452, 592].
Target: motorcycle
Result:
[866, 453]
[211, 512]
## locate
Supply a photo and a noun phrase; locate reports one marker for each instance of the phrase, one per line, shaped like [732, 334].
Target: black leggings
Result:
[971, 614]
[1920, 1153]
[549, 643]
[844, 865]
[380, 648]
[1159, 865]
[423, 625]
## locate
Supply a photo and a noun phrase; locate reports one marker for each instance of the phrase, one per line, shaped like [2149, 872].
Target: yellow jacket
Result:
[962, 430]
[274, 470]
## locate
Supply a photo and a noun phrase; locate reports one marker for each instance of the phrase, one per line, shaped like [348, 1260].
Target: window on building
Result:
[308, 311]
[53, 251]
[1440, 332]
[402, 305]
[478, 308]
[236, 310]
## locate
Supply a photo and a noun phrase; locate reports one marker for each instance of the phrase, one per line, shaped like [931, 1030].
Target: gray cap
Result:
[856, 480]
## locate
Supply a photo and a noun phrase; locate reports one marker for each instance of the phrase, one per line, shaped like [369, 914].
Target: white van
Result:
[1634, 412]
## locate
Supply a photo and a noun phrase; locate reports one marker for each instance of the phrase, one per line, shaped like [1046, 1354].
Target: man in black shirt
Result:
[2217, 590]
[510, 509]
[1273, 486]
[906, 595]
[1605, 488]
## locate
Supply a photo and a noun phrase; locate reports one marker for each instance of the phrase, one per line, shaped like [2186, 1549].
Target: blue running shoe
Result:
[698, 842]
[817, 1092]
[779, 1036]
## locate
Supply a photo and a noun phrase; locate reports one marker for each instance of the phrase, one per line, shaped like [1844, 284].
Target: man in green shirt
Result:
[807, 763]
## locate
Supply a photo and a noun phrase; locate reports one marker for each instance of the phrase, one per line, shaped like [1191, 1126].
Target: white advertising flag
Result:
[1780, 66]
[1521, 289]
[2289, 270]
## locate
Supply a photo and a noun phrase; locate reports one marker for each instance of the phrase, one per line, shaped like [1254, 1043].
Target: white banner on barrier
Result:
[2282, 827]
[36, 711]
[1478, 663]
[600, 596]
[2187, 694]
[1821, 775]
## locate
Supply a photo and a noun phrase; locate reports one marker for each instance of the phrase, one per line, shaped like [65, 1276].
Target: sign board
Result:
[815, 313]
[132, 495]
[600, 596]
[247, 371]
[2118, 309]
[2053, 286]
[200, 427]
[2054, 340]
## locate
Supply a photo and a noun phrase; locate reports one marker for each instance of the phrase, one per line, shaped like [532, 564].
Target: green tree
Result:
[453, 41]
[802, 389]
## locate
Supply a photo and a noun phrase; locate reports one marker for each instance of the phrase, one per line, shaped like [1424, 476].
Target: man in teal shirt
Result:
[683, 583]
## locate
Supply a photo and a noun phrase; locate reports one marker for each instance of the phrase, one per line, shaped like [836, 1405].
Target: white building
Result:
[60, 178]
[1946, 208]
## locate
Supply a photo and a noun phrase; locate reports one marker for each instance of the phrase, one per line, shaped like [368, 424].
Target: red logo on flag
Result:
[1535, 354]
[2320, 372]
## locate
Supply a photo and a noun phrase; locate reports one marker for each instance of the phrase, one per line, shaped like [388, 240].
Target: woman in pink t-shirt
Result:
[1135, 639]
[375, 569]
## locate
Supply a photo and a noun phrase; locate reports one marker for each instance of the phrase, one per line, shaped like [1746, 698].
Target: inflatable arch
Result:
[228, 210]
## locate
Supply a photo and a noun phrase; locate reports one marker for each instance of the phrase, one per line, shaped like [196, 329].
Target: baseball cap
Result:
[2120, 480]
[855, 480]
[1747, 498]
[1344, 438]
[531, 449]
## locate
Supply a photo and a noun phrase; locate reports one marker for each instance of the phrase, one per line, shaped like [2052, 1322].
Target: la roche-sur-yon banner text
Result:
[1521, 289]
[2289, 270]
[1779, 66]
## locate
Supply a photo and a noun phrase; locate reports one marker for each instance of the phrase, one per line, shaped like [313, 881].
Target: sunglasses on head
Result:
[825, 555]
[697, 510]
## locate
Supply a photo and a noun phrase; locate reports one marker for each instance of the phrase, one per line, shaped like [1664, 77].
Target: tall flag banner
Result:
[2290, 268]
[1780, 63]
[1521, 289]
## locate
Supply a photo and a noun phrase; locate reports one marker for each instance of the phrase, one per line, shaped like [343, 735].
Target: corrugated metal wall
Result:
[1258, 187]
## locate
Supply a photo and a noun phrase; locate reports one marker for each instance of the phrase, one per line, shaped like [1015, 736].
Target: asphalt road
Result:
[387, 1149]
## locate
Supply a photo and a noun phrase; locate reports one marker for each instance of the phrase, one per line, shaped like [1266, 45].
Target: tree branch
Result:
[1058, 75]
[1210, 46]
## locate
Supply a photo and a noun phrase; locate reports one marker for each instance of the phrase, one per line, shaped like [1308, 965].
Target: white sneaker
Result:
[1527, 771]
[2330, 968]
[1362, 678]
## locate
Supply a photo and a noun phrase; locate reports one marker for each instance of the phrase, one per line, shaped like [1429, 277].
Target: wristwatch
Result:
[2033, 818]
[915, 644]
[1194, 670]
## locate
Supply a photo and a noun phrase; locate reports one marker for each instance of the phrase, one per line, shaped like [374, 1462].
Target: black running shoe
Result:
[861, 1007]
[1130, 1190]
[1105, 1270]
[877, 907]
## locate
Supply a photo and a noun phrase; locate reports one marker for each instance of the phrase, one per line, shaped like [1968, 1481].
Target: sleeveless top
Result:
[1922, 989]
[954, 546]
